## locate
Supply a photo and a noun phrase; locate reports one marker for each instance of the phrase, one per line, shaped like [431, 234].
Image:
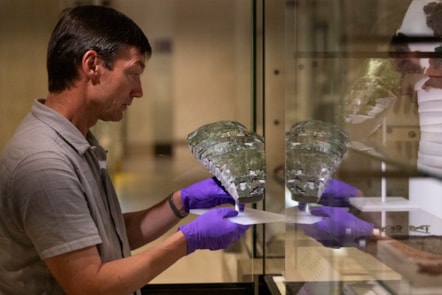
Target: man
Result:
[61, 227]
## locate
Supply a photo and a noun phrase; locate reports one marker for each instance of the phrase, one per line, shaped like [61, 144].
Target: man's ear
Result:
[90, 64]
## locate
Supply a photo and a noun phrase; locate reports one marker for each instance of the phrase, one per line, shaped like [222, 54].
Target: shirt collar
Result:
[63, 127]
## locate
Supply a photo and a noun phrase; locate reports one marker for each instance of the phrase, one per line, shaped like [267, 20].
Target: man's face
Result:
[115, 89]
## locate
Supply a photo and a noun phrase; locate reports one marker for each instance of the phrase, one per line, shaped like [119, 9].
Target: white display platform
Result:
[370, 204]
[254, 216]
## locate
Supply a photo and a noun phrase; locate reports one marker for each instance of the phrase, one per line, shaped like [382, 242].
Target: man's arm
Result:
[146, 225]
[82, 272]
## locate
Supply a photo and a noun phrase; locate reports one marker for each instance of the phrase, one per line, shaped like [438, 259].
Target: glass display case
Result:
[372, 68]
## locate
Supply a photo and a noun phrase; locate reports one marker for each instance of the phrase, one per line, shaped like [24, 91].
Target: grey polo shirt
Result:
[55, 197]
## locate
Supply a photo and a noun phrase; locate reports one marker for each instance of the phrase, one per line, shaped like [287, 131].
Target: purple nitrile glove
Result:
[337, 194]
[206, 193]
[212, 230]
[339, 229]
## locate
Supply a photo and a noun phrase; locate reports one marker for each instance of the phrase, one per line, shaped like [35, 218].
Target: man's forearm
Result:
[147, 225]
[83, 272]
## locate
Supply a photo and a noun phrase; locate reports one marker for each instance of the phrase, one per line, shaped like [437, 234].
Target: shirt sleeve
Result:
[47, 202]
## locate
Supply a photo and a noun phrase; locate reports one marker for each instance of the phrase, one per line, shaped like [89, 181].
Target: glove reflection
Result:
[337, 194]
[339, 228]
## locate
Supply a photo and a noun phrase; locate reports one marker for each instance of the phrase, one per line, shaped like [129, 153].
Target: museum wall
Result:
[25, 27]
[203, 76]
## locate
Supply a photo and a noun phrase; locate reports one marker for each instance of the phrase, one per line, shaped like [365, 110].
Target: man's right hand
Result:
[206, 193]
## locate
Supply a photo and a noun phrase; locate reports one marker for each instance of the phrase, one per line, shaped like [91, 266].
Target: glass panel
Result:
[270, 62]
[371, 68]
